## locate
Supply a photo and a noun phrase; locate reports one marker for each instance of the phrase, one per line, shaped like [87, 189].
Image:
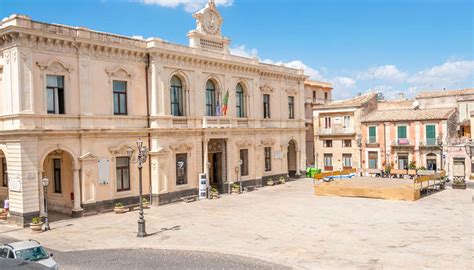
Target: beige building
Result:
[73, 100]
[315, 92]
[337, 128]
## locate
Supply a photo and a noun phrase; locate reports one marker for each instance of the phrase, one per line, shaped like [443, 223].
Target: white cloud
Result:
[447, 75]
[387, 73]
[243, 51]
[189, 5]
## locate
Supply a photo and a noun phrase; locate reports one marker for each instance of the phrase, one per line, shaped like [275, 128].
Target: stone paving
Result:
[288, 225]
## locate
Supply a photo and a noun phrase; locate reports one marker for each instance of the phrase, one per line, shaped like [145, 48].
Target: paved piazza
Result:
[288, 225]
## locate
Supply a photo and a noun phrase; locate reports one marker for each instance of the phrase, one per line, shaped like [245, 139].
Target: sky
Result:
[392, 46]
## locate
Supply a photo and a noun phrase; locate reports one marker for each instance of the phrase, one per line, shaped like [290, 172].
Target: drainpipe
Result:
[147, 68]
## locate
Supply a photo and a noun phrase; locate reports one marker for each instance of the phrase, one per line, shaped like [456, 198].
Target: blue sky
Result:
[359, 45]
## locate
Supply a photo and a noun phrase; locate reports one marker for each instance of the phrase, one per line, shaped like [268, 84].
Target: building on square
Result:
[336, 131]
[401, 135]
[73, 100]
[315, 93]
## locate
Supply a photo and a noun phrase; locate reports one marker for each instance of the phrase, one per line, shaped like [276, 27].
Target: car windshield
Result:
[32, 254]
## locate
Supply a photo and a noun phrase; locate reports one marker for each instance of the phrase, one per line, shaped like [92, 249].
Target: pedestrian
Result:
[6, 205]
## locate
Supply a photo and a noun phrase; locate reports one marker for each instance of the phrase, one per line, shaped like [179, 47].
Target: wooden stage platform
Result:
[380, 188]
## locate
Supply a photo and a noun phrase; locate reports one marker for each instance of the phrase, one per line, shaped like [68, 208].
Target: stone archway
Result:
[292, 159]
[63, 192]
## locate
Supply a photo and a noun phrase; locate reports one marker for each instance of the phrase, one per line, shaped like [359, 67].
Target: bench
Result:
[189, 199]
[249, 188]
[430, 182]
[131, 207]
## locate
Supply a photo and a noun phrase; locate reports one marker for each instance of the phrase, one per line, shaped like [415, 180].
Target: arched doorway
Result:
[59, 167]
[3, 178]
[292, 159]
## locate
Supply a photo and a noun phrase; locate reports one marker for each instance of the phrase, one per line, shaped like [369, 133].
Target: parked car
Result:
[29, 250]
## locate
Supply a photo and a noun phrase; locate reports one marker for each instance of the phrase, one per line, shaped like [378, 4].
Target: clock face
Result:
[211, 23]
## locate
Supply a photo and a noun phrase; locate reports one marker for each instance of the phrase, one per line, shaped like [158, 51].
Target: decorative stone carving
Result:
[243, 143]
[266, 89]
[119, 73]
[55, 66]
[215, 146]
[268, 142]
[115, 150]
[182, 147]
[291, 91]
[88, 156]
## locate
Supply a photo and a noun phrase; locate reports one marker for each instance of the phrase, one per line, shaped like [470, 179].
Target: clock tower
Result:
[207, 34]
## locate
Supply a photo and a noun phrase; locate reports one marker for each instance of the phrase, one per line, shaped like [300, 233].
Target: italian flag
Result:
[225, 101]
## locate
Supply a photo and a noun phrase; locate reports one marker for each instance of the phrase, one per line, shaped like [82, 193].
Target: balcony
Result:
[402, 143]
[335, 131]
[458, 141]
[216, 122]
[430, 143]
[372, 143]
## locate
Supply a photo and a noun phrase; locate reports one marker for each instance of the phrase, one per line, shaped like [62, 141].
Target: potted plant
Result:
[214, 193]
[459, 183]
[36, 224]
[235, 188]
[145, 203]
[119, 209]
[270, 182]
[282, 180]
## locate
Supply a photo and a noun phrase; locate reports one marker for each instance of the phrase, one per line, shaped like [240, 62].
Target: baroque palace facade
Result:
[73, 100]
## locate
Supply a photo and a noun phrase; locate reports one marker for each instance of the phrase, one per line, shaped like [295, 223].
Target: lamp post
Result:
[359, 144]
[45, 182]
[139, 159]
[240, 175]
[440, 144]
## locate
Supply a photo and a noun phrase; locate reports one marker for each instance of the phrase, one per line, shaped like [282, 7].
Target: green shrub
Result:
[119, 204]
[213, 189]
[144, 200]
[36, 220]
[235, 186]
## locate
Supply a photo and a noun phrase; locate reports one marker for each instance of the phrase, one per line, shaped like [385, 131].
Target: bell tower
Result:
[208, 32]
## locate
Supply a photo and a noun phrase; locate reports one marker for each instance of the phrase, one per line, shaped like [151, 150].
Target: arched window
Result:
[210, 98]
[176, 90]
[240, 101]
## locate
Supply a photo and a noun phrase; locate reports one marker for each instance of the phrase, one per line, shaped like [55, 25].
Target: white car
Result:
[29, 250]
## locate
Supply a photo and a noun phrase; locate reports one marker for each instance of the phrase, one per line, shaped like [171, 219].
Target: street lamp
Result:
[139, 159]
[440, 144]
[240, 175]
[45, 182]
[359, 144]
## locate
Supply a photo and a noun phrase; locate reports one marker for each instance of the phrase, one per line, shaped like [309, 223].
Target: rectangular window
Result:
[347, 143]
[4, 172]
[327, 143]
[266, 106]
[181, 169]
[327, 122]
[402, 132]
[291, 107]
[430, 134]
[244, 156]
[122, 168]
[327, 161]
[314, 96]
[55, 94]
[373, 160]
[372, 135]
[347, 121]
[326, 96]
[347, 160]
[57, 175]
[120, 97]
[268, 159]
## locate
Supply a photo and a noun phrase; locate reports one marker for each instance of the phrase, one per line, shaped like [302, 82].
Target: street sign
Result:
[202, 186]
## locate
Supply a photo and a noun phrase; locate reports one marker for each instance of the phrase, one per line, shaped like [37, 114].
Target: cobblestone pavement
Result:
[288, 225]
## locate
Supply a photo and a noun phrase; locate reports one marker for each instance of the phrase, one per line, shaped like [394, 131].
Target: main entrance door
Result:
[217, 164]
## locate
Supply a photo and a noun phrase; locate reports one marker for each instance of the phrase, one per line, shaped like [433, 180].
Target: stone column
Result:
[298, 163]
[77, 210]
